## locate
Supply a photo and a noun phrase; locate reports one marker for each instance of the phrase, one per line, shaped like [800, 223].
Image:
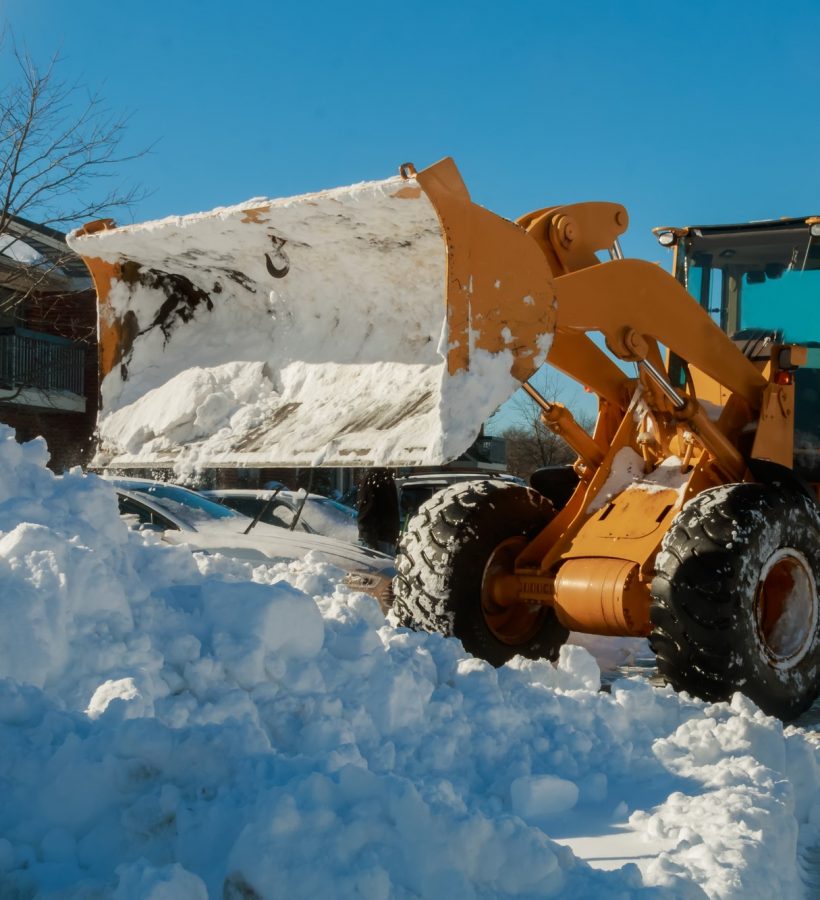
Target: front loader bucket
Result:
[378, 324]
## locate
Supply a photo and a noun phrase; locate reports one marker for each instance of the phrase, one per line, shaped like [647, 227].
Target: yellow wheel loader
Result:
[381, 324]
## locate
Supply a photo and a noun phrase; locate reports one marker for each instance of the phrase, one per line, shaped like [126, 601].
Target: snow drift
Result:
[186, 726]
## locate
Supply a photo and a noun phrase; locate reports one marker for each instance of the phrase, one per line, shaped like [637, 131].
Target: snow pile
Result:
[176, 726]
[300, 331]
[758, 787]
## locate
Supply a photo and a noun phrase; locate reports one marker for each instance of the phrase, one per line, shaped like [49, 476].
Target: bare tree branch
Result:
[58, 145]
[61, 154]
[530, 444]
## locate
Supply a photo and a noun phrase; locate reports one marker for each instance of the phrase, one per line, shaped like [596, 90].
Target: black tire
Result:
[441, 563]
[732, 561]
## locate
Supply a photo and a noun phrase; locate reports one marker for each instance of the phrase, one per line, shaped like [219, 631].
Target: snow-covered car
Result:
[186, 517]
[319, 515]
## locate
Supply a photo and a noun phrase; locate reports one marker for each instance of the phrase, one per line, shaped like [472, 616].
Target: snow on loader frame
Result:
[380, 324]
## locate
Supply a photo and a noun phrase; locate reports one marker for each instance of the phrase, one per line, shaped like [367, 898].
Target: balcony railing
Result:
[30, 359]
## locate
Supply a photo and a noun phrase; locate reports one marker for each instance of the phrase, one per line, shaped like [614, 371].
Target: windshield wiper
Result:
[263, 509]
[269, 501]
[304, 500]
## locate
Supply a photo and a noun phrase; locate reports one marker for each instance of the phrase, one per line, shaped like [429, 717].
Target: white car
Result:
[316, 514]
[186, 517]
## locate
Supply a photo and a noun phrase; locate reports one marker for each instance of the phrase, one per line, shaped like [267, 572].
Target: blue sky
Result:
[686, 113]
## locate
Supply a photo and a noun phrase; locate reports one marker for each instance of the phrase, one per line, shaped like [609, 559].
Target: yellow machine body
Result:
[518, 294]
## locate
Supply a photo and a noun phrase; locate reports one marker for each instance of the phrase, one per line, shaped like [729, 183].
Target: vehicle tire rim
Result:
[511, 623]
[786, 607]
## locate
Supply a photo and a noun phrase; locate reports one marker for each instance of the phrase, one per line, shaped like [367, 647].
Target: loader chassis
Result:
[580, 563]
[598, 563]
[695, 518]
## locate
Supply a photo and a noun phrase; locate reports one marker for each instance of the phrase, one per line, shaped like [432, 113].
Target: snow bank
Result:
[179, 726]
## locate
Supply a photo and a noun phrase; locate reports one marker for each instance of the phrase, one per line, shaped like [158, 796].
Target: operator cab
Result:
[760, 282]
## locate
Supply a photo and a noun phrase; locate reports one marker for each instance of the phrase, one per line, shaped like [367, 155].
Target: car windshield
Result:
[269, 507]
[189, 507]
[334, 504]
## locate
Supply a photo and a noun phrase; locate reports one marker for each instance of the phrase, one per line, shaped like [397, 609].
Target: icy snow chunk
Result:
[121, 689]
[539, 797]
[576, 670]
[142, 881]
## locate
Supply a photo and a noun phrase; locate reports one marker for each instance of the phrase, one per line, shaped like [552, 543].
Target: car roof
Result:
[122, 480]
[252, 493]
[446, 477]
[261, 493]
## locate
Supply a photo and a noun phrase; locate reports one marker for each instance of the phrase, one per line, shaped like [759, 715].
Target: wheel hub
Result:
[511, 621]
[786, 607]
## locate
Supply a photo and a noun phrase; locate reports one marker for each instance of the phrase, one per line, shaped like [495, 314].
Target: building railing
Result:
[31, 359]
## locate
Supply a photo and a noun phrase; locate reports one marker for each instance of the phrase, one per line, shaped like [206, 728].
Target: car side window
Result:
[248, 506]
[144, 517]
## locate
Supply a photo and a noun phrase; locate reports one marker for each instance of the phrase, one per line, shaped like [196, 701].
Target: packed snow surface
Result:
[308, 330]
[186, 726]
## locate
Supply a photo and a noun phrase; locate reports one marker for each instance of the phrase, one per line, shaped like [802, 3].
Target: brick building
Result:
[48, 353]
